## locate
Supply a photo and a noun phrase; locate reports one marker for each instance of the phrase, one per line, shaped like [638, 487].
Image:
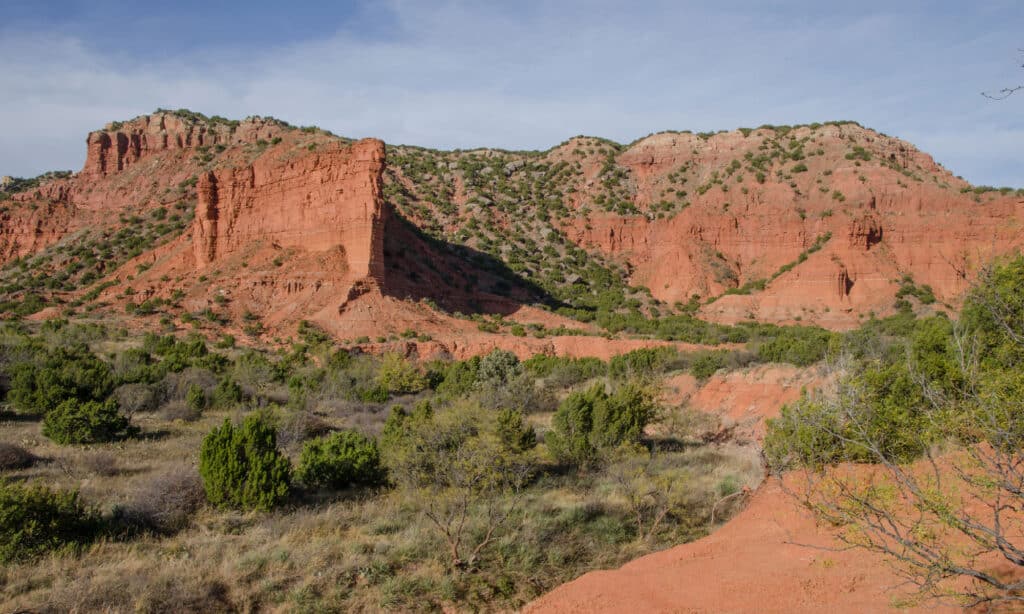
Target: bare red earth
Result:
[772, 557]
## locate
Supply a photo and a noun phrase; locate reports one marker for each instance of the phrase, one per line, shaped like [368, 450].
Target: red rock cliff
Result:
[330, 200]
[119, 146]
[889, 209]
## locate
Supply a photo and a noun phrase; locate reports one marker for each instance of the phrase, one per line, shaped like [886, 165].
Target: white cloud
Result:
[529, 75]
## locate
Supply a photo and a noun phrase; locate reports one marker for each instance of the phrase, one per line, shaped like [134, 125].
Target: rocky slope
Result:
[816, 223]
[259, 225]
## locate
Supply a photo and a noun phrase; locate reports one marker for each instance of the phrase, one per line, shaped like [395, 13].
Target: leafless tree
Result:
[650, 494]
[1005, 92]
[952, 521]
[465, 482]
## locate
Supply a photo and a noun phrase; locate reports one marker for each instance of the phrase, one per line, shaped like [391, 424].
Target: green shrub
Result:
[38, 386]
[513, 432]
[342, 459]
[74, 422]
[459, 377]
[798, 345]
[377, 393]
[879, 411]
[569, 438]
[924, 293]
[591, 422]
[499, 368]
[706, 364]
[35, 520]
[241, 466]
[399, 376]
[642, 362]
[565, 371]
[622, 417]
[227, 394]
[195, 398]
[400, 423]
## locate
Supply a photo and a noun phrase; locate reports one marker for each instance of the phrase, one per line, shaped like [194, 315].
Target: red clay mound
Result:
[752, 564]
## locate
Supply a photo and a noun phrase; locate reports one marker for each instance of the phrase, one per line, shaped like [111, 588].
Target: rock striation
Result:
[330, 200]
[815, 224]
[121, 145]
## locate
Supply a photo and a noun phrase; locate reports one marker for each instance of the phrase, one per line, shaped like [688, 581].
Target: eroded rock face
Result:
[900, 213]
[330, 200]
[266, 192]
[122, 145]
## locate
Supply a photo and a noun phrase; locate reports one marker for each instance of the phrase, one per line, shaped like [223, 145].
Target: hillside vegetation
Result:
[459, 386]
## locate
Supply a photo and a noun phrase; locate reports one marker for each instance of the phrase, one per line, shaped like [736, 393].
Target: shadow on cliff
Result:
[455, 277]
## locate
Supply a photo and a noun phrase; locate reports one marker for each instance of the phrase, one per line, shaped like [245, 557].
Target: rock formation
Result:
[816, 224]
[119, 146]
[330, 200]
[888, 209]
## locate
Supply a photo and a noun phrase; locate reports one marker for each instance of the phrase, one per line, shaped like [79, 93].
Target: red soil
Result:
[772, 557]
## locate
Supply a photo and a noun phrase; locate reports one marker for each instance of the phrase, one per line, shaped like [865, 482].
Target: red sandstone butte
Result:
[314, 205]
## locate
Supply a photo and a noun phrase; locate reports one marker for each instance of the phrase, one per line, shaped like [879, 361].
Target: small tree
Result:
[74, 422]
[342, 459]
[195, 398]
[466, 481]
[241, 466]
[592, 422]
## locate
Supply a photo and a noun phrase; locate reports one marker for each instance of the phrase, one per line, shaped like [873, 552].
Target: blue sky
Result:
[523, 75]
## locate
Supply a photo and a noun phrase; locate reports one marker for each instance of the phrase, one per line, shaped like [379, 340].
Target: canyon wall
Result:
[899, 214]
[815, 224]
[318, 202]
[122, 145]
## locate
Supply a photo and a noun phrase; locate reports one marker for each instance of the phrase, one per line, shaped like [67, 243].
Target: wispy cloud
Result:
[528, 75]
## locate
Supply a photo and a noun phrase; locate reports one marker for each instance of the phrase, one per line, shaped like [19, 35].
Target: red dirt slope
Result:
[752, 564]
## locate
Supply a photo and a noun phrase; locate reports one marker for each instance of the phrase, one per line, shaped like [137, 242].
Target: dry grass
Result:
[15, 457]
[345, 552]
